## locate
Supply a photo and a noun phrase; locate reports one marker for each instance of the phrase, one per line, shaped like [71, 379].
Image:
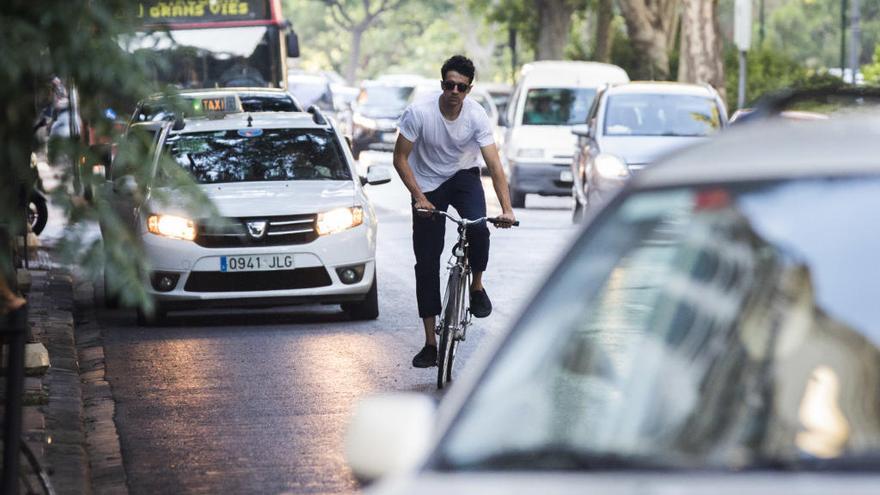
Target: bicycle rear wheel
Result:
[446, 345]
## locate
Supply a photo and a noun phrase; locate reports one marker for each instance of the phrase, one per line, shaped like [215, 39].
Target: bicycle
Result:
[455, 316]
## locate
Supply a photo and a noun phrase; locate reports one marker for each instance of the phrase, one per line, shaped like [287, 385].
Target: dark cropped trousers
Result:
[464, 192]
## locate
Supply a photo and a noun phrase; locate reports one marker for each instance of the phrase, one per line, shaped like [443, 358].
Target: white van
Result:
[550, 97]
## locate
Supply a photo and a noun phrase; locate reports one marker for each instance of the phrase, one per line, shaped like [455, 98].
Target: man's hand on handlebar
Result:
[423, 204]
[505, 221]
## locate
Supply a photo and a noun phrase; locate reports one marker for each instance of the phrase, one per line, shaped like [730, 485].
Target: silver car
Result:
[714, 329]
[631, 125]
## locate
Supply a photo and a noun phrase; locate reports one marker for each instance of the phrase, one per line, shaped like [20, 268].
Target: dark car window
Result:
[696, 327]
[661, 115]
[253, 154]
[268, 103]
[557, 106]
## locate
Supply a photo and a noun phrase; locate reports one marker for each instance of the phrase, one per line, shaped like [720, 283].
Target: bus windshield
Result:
[212, 57]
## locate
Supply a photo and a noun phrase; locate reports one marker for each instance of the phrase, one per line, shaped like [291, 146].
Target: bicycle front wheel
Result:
[446, 344]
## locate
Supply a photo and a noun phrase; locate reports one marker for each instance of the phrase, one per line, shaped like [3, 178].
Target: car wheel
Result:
[368, 309]
[156, 319]
[517, 198]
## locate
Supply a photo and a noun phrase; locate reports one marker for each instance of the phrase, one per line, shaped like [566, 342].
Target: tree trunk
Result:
[354, 58]
[649, 25]
[701, 60]
[554, 26]
[604, 16]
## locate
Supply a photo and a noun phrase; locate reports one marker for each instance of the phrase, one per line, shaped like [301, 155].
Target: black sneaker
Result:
[481, 306]
[426, 358]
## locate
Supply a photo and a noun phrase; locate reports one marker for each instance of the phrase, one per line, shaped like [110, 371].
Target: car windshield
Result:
[661, 115]
[312, 92]
[708, 328]
[391, 98]
[557, 106]
[253, 154]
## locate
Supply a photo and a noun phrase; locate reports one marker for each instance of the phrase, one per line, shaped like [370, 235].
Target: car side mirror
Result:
[581, 130]
[292, 44]
[389, 434]
[125, 186]
[377, 175]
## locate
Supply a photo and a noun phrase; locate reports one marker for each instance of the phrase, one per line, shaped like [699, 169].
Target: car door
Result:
[129, 182]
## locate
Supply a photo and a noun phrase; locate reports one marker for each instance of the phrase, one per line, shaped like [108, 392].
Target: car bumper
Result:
[313, 278]
[550, 179]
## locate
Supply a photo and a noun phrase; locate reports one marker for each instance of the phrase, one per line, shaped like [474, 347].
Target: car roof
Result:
[261, 120]
[558, 73]
[660, 87]
[774, 149]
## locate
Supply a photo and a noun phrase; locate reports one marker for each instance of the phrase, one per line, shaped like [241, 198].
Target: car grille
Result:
[300, 278]
[280, 231]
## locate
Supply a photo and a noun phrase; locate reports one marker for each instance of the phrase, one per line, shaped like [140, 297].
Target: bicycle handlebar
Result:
[465, 221]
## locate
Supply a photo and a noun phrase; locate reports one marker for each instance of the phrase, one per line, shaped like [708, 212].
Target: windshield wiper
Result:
[561, 458]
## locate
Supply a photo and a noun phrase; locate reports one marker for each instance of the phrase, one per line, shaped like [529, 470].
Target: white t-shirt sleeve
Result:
[410, 125]
[483, 128]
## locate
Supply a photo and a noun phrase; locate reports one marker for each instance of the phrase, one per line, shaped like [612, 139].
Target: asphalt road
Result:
[236, 401]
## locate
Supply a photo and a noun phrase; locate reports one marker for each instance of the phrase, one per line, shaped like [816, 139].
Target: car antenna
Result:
[250, 121]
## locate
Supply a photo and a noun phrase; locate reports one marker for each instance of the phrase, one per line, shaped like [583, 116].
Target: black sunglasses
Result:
[448, 85]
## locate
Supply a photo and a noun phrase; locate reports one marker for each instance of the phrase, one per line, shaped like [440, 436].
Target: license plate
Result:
[565, 176]
[256, 263]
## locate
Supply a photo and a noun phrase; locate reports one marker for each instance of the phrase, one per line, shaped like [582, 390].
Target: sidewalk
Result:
[68, 414]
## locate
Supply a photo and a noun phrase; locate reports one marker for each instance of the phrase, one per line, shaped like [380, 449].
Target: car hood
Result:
[643, 150]
[556, 141]
[381, 112]
[249, 199]
[627, 483]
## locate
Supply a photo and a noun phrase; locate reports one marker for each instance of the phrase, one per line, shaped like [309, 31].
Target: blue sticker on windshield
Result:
[250, 132]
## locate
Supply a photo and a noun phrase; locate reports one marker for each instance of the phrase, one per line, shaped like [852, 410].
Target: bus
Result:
[199, 44]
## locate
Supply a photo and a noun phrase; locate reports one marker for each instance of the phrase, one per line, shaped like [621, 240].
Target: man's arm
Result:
[499, 182]
[402, 148]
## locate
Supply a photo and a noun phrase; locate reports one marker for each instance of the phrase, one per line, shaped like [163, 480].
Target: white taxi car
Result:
[290, 222]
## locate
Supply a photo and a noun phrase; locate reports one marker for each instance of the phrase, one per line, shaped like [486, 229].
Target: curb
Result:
[70, 426]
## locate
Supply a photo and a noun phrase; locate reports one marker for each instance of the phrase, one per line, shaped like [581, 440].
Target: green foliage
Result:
[809, 31]
[415, 38]
[77, 41]
[768, 71]
[871, 72]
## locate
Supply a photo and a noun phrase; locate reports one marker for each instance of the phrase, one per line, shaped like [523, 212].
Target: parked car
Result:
[284, 220]
[713, 329]
[631, 125]
[500, 94]
[550, 97]
[377, 111]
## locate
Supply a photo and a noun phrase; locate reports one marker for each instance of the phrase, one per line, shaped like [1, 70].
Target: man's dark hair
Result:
[460, 64]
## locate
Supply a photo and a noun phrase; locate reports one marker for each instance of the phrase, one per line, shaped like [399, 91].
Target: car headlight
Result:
[340, 219]
[611, 167]
[530, 153]
[365, 122]
[172, 226]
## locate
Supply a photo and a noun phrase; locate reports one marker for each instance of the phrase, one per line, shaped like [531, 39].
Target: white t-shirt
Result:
[443, 147]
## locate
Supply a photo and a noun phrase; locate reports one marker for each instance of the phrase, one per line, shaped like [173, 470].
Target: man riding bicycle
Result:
[437, 157]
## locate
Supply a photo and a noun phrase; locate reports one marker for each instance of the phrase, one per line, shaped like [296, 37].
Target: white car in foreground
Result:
[285, 220]
[714, 329]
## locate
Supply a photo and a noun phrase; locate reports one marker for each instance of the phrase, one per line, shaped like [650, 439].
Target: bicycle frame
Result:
[455, 316]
